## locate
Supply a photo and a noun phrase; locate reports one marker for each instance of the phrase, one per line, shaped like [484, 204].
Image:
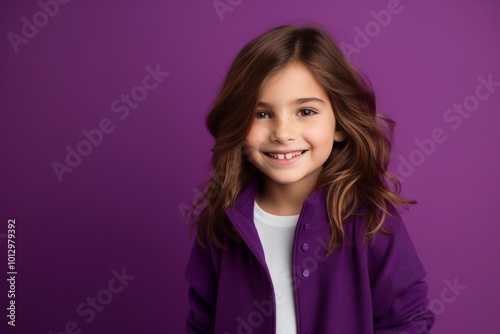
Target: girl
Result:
[300, 231]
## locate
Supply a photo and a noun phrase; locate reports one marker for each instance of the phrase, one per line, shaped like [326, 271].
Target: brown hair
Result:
[355, 176]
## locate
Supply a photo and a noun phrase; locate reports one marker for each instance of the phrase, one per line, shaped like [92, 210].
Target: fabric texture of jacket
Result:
[359, 288]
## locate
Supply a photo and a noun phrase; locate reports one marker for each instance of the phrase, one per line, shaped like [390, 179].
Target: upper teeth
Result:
[282, 156]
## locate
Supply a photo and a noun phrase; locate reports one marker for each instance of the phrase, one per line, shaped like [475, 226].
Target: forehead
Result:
[292, 82]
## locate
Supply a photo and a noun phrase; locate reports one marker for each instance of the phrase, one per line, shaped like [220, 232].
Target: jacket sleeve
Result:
[399, 292]
[202, 294]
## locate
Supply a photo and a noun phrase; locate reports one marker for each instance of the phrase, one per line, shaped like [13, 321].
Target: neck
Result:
[283, 199]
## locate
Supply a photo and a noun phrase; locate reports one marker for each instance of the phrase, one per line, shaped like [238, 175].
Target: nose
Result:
[283, 130]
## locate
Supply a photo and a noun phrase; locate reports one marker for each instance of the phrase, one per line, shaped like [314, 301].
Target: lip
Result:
[284, 161]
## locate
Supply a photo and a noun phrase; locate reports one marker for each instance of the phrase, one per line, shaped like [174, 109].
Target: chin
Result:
[284, 180]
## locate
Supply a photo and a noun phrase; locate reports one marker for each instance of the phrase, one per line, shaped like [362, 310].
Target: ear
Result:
[339, 136]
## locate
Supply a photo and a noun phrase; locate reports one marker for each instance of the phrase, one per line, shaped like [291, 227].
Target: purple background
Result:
[120, 207]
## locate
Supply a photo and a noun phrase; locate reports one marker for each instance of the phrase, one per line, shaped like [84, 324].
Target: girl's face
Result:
[293, 131]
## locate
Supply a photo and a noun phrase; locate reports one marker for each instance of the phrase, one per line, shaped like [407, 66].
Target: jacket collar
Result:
[313, 213]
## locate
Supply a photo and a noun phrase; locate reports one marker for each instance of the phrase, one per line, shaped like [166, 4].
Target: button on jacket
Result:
[359, 288]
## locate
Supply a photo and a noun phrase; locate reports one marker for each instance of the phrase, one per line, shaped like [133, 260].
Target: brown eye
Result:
[262, 114]
[307, 112]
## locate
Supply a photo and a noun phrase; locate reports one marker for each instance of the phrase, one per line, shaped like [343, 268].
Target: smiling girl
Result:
[300, 232]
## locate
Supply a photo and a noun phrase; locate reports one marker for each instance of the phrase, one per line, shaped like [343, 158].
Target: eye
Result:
[307, 112]
[262, 114]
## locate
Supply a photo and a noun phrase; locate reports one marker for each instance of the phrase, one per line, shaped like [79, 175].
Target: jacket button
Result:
[305, 273]
[305, 247]
[306, 226]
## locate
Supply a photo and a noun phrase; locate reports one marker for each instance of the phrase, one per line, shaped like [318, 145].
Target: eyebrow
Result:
[301, 100]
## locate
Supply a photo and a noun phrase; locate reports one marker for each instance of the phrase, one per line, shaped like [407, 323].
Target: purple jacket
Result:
[359, 288]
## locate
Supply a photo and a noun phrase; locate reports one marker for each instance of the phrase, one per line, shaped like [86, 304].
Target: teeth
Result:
[282, 156]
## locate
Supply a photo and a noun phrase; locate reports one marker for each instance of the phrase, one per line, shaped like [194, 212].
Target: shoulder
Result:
[391, 221]
[391, 235]
[392, 231]
[391, 248]
[391, 225]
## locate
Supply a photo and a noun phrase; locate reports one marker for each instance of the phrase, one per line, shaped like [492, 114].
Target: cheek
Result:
[252, 142]
[321, 137]
[256, 136]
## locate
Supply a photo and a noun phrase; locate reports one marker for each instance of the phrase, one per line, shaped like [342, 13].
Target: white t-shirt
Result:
[276, 235]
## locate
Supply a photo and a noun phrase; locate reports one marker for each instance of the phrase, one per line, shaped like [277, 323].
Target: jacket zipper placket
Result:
[264, 266]
[294, 267]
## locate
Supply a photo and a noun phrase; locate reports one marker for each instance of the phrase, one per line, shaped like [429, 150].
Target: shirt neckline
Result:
[274, 220]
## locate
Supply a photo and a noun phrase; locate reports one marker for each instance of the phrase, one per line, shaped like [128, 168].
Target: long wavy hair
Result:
[355, 176]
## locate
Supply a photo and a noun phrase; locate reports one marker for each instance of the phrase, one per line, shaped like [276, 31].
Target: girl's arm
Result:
[399, 292]
[202, 294]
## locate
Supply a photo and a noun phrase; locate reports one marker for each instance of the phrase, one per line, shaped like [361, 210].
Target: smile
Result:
[284, 156]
